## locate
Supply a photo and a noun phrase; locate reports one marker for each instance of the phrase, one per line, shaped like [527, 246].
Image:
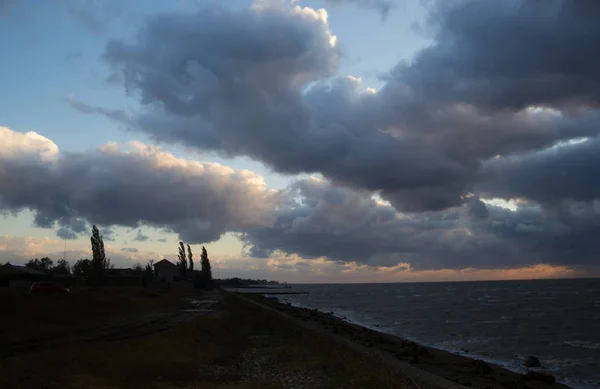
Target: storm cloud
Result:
[140, 185]
[561, 173]
[344, 225]
[349, 226]
[503, 104]
[500, 78]
[312, 218]
[509, 54]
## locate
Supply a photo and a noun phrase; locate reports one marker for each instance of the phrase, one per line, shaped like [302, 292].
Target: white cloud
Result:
[26, 145]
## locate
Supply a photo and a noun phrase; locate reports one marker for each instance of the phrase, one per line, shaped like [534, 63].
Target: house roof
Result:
[27, 270]
[164, 262]
[122, 272]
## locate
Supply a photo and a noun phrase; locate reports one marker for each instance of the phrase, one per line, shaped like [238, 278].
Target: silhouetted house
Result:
[166, 270]
[122, 273]
[20, 276]
[122, 277]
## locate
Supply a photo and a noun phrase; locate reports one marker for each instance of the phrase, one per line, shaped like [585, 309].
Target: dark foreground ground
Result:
[135, 338]
[458, 369]
[169, 340]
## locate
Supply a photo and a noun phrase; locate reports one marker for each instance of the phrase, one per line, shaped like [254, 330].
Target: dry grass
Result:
[244, 347]
[26, 317]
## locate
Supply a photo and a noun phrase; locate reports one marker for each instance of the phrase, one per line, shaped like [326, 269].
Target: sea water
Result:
[498, 321]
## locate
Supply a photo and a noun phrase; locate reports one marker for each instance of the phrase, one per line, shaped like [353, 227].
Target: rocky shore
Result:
[455, 368]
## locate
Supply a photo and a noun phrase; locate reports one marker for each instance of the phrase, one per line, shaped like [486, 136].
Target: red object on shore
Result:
[47, 287]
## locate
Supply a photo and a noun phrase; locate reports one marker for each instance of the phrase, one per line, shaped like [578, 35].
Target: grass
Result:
[242, 347]
[26, 317]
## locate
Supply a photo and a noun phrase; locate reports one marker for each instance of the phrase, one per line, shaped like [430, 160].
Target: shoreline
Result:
[458, 369]
[460, 352]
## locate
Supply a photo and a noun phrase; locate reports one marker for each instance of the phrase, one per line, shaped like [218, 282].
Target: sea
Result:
[501, 322]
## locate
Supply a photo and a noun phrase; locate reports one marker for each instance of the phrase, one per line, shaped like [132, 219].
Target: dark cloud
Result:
[382, 6]
[220, 79]
[477, 209]
[141, 237]
[113, 114]
[244, 97]
[345, 225]
[490, 109]
[551, 176]
[143, 185]
[545, 236]
[130, 249]
[509, 54]
[66, 233]
[313, 217]
[107, 233]
[560, 180]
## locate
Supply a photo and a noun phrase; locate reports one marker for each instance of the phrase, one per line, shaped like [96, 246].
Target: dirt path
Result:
[124, 328]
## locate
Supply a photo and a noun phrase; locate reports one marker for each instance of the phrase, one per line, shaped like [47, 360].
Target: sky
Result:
[305, 141]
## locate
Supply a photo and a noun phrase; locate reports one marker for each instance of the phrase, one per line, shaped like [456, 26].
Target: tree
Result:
[149, 270]
[99, 262]
[205, 270]
[44, 264]
[82, 267]
[190, 259]
[182, 260]
[33, 264]
[62, 267]
[138, 270]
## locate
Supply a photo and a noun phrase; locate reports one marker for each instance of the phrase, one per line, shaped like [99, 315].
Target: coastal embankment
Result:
[164, 340]
[426, 366]
[134, 338]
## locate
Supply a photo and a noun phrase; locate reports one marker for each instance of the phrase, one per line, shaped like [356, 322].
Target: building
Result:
[166, 270]
[122, 277]
[122, 272]
[16, 276]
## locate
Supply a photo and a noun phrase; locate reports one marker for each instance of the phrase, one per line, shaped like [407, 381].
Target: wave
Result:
[583, 344]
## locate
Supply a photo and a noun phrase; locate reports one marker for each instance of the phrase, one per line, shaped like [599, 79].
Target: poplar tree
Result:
[99, 262]
[205, 271]
[191, 267]
[182, 260]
